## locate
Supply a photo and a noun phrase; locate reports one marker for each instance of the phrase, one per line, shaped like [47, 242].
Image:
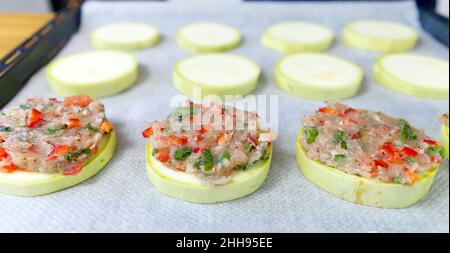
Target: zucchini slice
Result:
[125, 36]
[444, 139]
[360, 190]
[318, 76]
[189, 188]
[208, 37]
[95, 73]
[413, 75]
[378, 35]
[216, 74]
[28, 184]
[294, 37]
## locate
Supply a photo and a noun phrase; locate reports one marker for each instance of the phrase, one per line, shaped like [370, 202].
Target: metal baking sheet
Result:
[121, 199]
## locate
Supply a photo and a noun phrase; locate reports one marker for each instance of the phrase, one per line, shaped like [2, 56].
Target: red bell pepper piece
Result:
[430, 142]
[73, 169]
[3, 153]
[407, 151]
[349, 110]
[163, 155]
[79, 100]
[179, 141]
[34, 117]
[147, 132]
[326, 110]
[58, 150]
[73, 123]
[106, 127]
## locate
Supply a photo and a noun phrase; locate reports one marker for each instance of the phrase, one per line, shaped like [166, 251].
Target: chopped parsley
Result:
[182, 153]
[411, 159]
[267, 154]
[406, 131]
[226, 155]
[248, 147]
[339, 157]
[339, 137]
[25, 106]
[53, 130]
[180, 113]
[91, 128]
[5, 129]
[206, 160]
[241, 167]
[311, 134]
[72, 156]
[155, 151]
[436, 149]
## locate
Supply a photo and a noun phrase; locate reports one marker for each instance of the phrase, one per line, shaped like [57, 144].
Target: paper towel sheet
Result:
[121, 199]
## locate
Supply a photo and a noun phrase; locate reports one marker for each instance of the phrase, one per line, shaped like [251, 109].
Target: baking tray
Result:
[22, 62]
[121, 199]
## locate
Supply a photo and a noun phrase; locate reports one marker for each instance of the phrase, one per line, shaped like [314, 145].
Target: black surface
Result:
[18, 66]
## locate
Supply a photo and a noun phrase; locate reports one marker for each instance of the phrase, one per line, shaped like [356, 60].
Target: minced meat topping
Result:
[211, 149]
[369, 144]
[47, 135]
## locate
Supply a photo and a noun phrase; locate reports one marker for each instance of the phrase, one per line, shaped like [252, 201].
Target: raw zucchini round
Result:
[360, 190]
[318, 76]
[294, 37]
[444, 139]
[208, 37]
[189, 188]
[28, 184]
[413, 75]
[95, 73]
[216, 74]
[125, 36]
[377, 35]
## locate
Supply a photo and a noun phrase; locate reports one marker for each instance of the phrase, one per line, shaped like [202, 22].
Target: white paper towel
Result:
[121, 199]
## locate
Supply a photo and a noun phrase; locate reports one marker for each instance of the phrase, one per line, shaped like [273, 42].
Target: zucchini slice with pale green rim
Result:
[318, 76]
[95, 73]
[216, 74]
[413, 75]
[28, 184]
[294, 37]
[379, 35]
[208, 37]
[189, 188]
[361, 190]
[444, 139]
[125, 36]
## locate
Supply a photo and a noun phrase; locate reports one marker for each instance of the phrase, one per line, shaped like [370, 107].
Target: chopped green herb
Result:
[248, 147]
[72, 156]
[5, 129]
[181, 112]
[91, 128]
[25, 106]
[396, 180]
[267, 154]
[53, 130]
[241, 167]
[85, 151]
[206, 160]
[155, 151]
[69, 156]
[339, 157]
[411, 159]
[339, 137]
[182, 153]
[311, 134]
[406, 131]
[436, 149]
[226, 155]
